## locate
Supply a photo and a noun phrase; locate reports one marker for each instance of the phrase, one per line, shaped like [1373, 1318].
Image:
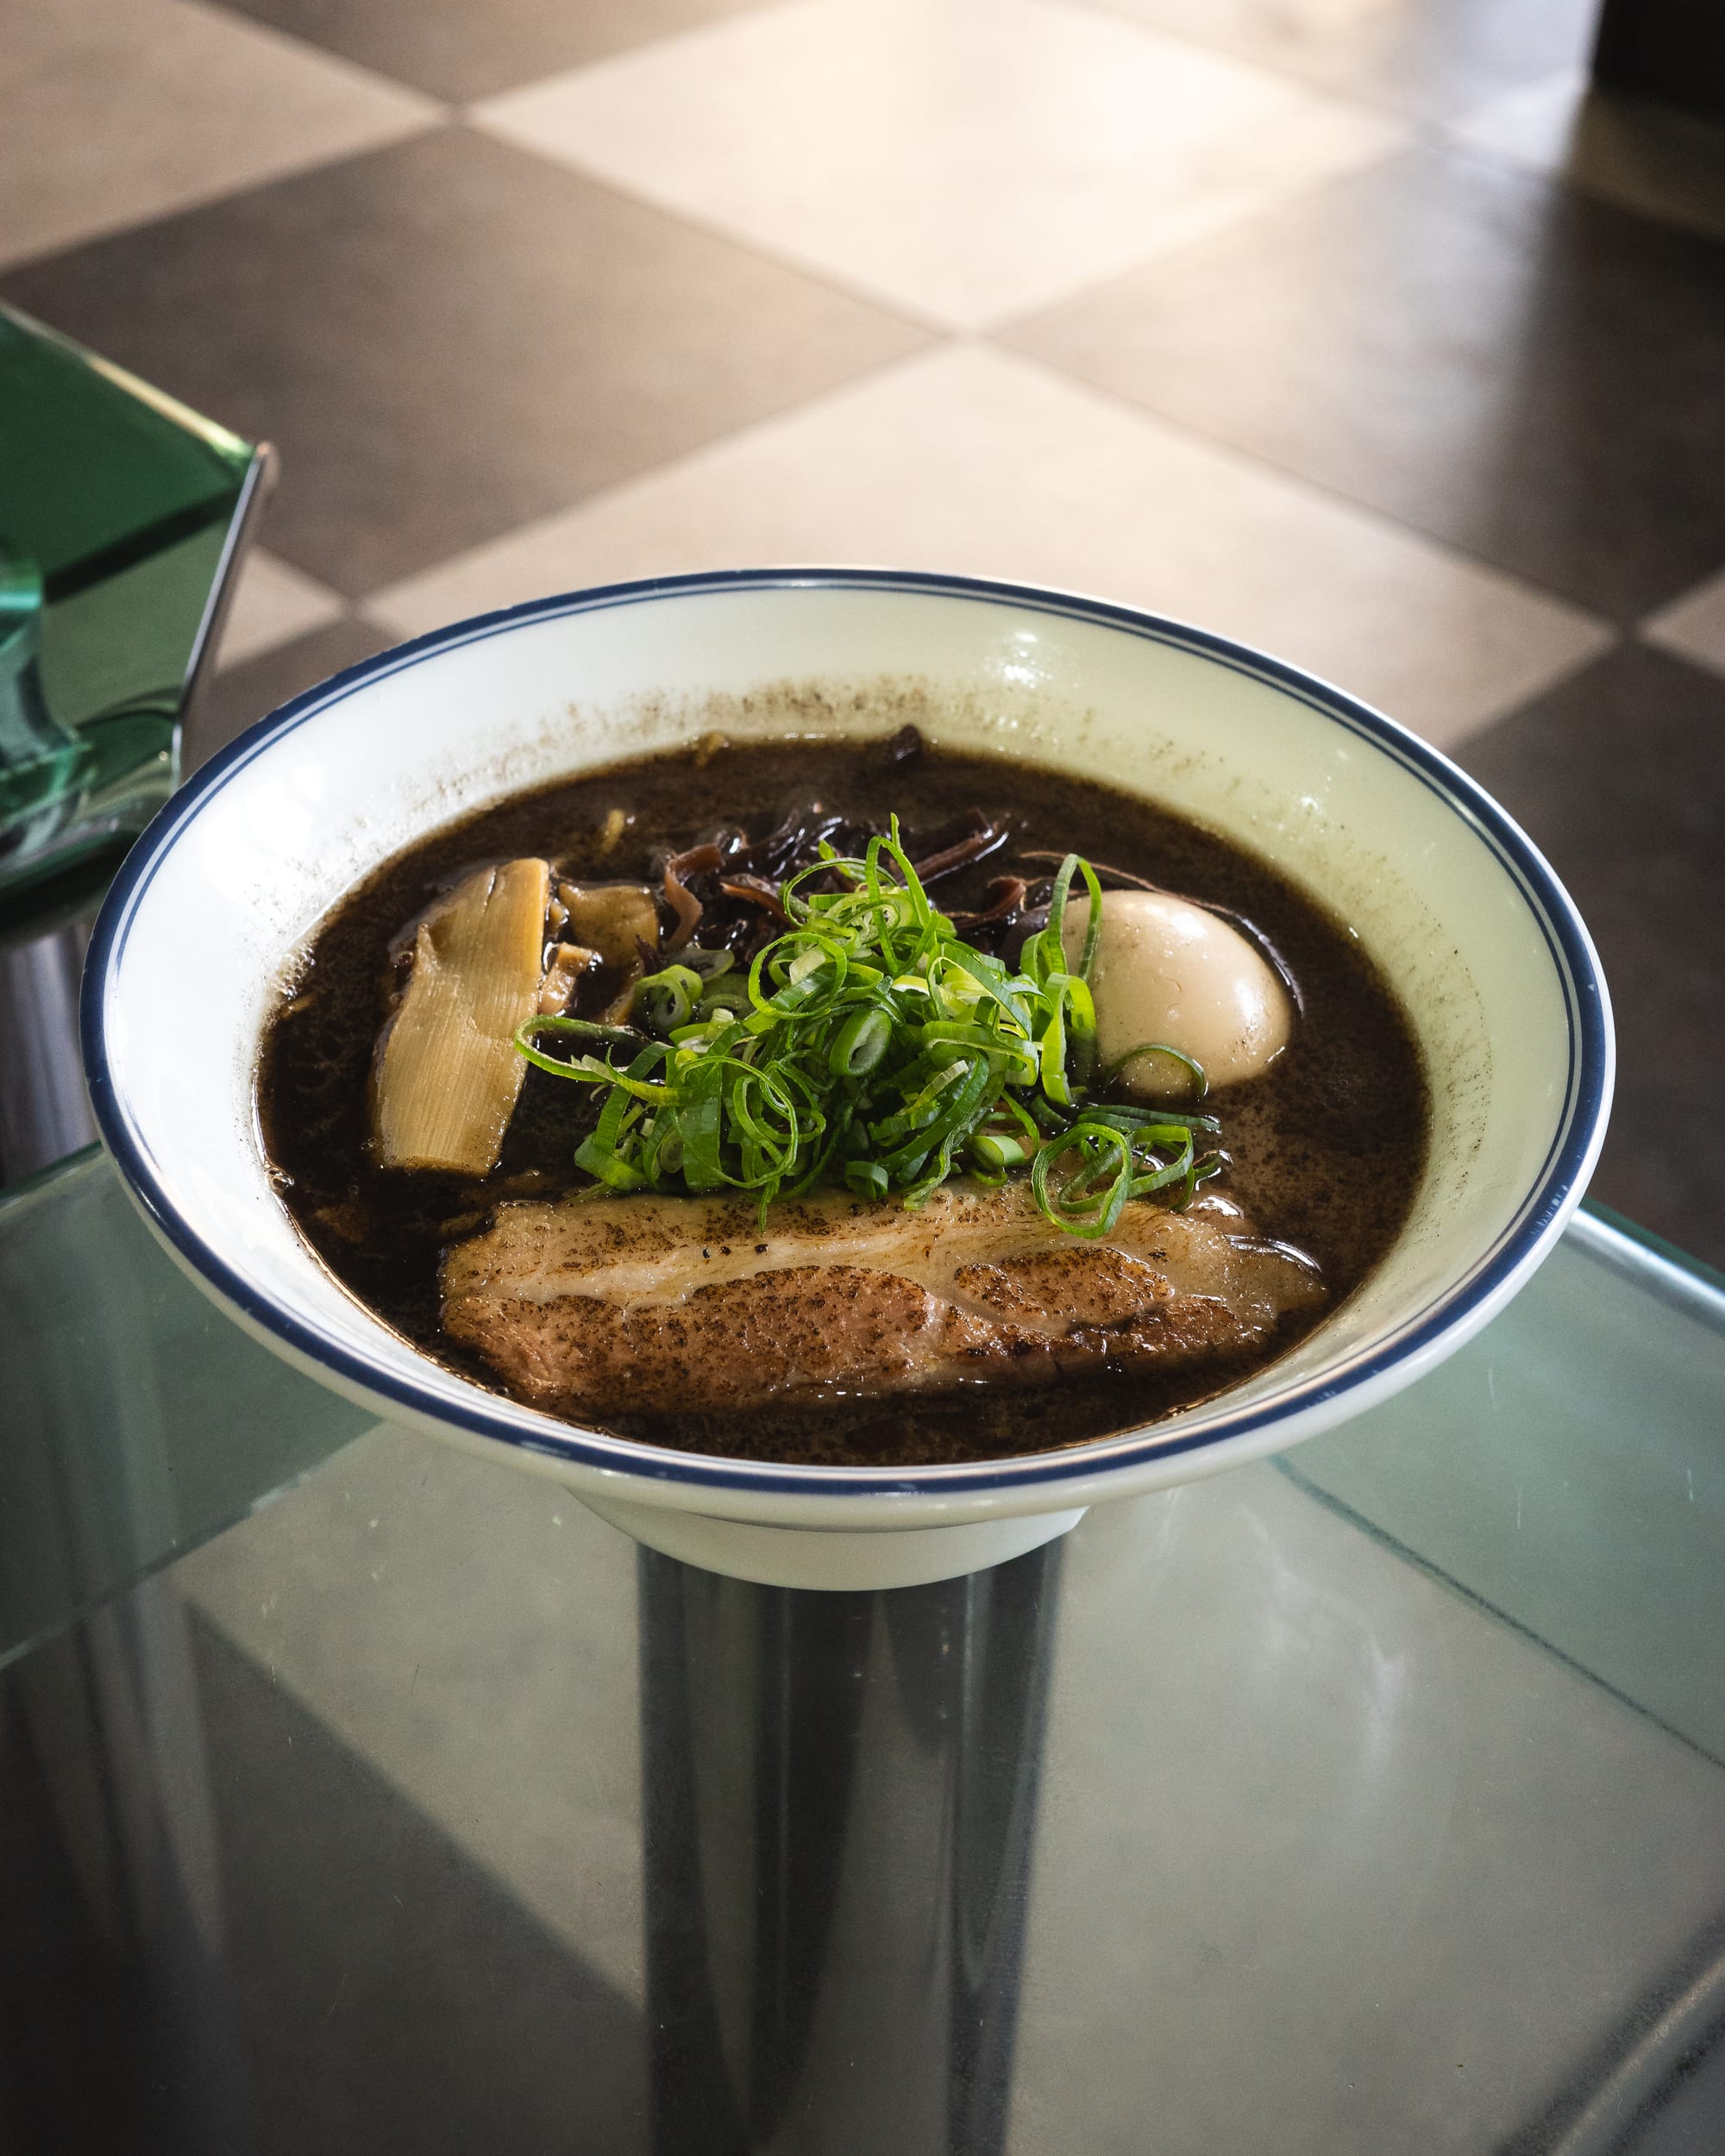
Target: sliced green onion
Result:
[580, 1029]
[709, 964]
[1200, 1084]
[868, 1044]
[863, 1041]
[996, 1154]
[665, 1000]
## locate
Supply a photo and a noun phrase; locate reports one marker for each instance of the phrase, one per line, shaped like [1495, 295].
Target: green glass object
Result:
[120, 512]
[41, 760]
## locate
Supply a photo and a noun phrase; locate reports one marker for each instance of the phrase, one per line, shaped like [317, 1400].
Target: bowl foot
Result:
[831, 1558]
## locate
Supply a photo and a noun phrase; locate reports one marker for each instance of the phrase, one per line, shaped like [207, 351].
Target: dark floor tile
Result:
[72, 1987]
[463, 49]
[1428, 56]
[1533, 377]
[450, 336]
[1619, 775]
[238, 696]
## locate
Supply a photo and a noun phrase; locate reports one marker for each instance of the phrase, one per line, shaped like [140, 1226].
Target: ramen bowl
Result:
[1492, 963]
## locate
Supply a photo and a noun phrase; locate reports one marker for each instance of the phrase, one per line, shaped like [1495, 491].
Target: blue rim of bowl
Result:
[1554, 1190]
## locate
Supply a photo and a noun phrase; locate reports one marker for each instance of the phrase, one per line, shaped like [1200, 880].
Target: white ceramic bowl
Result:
[1494, 967]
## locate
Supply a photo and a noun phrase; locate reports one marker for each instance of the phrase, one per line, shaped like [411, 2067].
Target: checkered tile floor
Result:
[1357, 332]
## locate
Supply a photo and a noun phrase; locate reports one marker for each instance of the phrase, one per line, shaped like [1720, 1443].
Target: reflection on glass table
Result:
[1370, 1800]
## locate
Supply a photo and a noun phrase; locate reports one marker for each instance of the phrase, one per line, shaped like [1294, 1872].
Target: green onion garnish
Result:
[870, 1045]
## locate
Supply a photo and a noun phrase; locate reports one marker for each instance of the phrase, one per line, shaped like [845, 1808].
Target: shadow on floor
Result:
[390, 1997]
[323, 1971]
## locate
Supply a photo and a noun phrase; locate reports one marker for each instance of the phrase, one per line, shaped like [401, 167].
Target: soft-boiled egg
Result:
[1167, 970]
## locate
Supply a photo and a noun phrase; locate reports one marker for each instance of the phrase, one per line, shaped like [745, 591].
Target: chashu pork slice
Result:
[586, 1307]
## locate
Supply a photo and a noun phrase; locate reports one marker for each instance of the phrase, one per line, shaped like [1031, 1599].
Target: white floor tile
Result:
[113, 112]
[275, 604]
[1693, 626]
[1425, 58]
[1641, 156]
[967, 159]
[977, 461]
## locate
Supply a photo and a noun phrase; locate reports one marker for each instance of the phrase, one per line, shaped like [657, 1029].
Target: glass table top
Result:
[1368, 1800]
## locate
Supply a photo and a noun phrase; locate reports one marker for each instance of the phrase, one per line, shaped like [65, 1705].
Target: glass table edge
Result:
[1605, 1233]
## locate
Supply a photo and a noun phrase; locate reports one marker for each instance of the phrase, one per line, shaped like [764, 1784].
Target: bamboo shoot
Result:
[613, 918]
[449, 1073]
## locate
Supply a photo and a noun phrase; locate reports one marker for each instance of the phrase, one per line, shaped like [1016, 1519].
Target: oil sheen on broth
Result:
[1323, 1150]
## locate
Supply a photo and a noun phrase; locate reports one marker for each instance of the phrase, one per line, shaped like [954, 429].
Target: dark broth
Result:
[1325, 1150]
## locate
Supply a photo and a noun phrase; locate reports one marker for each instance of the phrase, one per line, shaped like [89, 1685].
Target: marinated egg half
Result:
[1167, 970]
